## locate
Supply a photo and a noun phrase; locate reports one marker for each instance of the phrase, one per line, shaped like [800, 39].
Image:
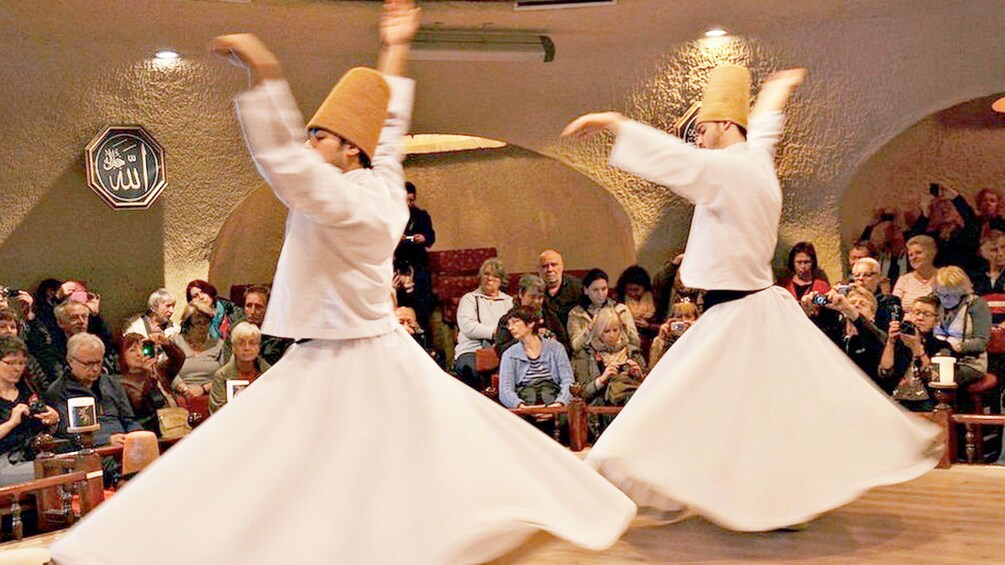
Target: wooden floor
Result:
[949, 516]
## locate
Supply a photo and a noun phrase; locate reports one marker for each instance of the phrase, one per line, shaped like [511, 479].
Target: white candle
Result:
[82, 415]
[946, 368]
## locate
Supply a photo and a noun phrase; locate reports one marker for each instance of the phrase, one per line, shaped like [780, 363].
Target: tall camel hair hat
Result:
[727, 96]
[355, 109]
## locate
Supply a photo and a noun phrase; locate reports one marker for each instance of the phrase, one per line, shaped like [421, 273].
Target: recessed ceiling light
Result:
[999, 105]
[166, 55]
[715, 32]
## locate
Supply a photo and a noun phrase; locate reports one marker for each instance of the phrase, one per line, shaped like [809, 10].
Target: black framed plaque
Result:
[125, 167]
[686, 127]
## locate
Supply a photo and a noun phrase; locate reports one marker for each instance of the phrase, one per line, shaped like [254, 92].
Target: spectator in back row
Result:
[157, 318]
[223, 313]
[805, 277]
[530, 294]
[595, 297]
[203, 353]
[72, 317]
[954, 226]
[921, 254]
[989, 279]
[989, 210]
[84, 354]
[478, 316]
[10, 326]
[635, 290]
[563, 291]
[412, 258]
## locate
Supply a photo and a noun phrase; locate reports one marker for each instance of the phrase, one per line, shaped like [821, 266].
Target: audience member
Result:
[921, 254]
[664, 284]
[478, 316]
[534, 371]
[246, 364]
[22, 415]
[952, 223]
[47, 297]
[886, 236]
[683, 315]
[203, 353]
[805, 276]
[146, 376]
[989, 210]
[635, 290]
[963, 325]
[72, 317]
[563, 291]
[906, 361]
[847, 318]
[157, 318]
[85, 353]
[858, 250]
[223, 313]
[989, 278]
[412, 260]
[10, 326]
[595, 297]
[530, 293]
[256, 304]
[866, 274]
[20, 301]
[615, 368]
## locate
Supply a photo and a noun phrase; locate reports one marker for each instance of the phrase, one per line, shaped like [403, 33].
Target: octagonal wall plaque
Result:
[686, 127]
[125, 167]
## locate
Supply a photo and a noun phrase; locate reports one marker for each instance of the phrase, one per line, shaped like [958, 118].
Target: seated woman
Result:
[146, 376]
[963, 325]
[223, 313]
[530, 292]
[246, 363]
[906, 362]
[805, 275]
[635, 290]
[534, 371]
[988, 279]
[682, 315]
[952, 224]
[616, 369]
[478, 315]
[22, 414]
[203, 354]
[921, 254]
[10, 326]
[595, 297]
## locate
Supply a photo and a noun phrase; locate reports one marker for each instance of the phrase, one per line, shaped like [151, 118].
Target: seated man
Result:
[410, 321]
[246, 364]
[530, 293]
[85, 356]
[256, 302]
[72, 317]
[563, 291]
[157, 318]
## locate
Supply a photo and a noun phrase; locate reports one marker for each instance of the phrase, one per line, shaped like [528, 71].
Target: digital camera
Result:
[908, 328]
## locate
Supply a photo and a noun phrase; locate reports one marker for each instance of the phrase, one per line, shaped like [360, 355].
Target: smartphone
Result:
[934, 189]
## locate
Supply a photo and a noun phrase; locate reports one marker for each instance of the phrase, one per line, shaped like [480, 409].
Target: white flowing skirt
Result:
[360, 451]
[757, 421]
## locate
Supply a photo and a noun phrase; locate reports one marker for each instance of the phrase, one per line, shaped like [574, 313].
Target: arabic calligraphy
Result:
[126, 166]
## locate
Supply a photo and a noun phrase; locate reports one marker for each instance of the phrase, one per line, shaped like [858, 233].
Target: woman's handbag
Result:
[173, 422]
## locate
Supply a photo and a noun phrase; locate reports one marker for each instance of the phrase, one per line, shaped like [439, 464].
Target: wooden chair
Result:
[61, 487]
[980, 394]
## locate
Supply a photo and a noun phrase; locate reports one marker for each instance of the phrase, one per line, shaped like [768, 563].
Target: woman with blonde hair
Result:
[616, 367]
[682, 315]
[921, 252]
[964, 323]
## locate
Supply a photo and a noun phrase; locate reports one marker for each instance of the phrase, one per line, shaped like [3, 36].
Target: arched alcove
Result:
[960, 147]
[515, 200]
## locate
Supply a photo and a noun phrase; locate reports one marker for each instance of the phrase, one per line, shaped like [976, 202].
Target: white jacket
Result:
[333, 280]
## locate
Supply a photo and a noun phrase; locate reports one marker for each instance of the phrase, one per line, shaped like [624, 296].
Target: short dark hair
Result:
[592, 276]
[527, 315]
[409, 187]
[635, 274]
[12, 345]
[930, 299]
[201, 285]
[802, 247]
[256, 289]
[9, 315]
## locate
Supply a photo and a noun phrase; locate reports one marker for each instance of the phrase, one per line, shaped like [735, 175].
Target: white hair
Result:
[83, 340]
[871, 262]
[158, 297]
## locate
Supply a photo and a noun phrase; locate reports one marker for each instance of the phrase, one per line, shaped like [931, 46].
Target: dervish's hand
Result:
[399, 22]
[246, 51]
[591, 124]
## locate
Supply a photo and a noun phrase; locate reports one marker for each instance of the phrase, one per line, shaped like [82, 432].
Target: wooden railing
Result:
[64, 485]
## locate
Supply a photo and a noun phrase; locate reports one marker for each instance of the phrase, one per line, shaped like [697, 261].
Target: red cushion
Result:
[987, 383]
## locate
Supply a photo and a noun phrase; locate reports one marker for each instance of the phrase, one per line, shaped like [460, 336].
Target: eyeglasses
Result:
[863, 275]
[922, 314]
[14, 363]
[89, 364]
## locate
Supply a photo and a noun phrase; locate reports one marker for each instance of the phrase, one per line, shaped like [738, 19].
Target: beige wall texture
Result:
[71, 68]
[510, 198]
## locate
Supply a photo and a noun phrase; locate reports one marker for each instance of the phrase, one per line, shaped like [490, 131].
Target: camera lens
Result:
[821, 300]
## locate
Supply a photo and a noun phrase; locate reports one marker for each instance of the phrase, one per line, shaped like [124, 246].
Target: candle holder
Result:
[83, 442]
[945, 393]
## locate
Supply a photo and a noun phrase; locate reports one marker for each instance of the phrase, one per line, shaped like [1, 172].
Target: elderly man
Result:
[531, 292]
[256, 302]
[157, 318]
[50, 347]
[85, 355]
[562, 291]
[866, 272]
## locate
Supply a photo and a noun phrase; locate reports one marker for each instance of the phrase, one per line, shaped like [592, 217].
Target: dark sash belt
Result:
[716, 297]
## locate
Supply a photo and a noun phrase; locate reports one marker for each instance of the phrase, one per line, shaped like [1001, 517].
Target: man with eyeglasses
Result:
[85, 357]
[866, 272]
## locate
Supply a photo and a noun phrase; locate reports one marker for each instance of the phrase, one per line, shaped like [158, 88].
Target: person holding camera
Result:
[846, 314]
[907, 356]
[683, 314]
[411, 259]
[949, 219]
[146, 376]
[22, 414]
[615, 368]
[867, 274]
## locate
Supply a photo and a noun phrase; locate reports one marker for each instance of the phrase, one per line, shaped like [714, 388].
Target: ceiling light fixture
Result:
[482, 46]
[166, 55]
[715, 32]
[999, 105]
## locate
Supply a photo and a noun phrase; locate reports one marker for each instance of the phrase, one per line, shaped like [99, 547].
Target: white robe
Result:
[355, 447]
[753, 418]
